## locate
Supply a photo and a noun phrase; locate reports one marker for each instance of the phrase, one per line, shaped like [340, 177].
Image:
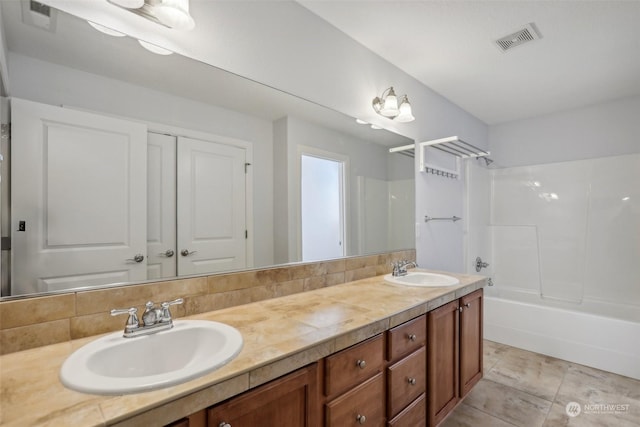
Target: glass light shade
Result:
[129, 4]
[106, 30]
[405, 114]
[389, 104]
[174, 14]
[155, 49]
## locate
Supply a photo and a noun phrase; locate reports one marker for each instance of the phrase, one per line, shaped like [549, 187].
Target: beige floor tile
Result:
[529, 372]
[467, 416]
[508, 404]
[558, 417]
[492, 352]
[587, 385]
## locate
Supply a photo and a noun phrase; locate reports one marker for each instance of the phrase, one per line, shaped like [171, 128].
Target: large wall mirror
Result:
[125, 166]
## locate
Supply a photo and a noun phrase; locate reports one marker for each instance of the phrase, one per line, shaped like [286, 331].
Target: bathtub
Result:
[557, 329]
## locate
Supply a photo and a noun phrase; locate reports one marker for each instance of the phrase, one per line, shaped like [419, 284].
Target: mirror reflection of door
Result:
[111, 202]
[212, 223]
[322, 207]
[207, 231]
[79, 219]
[161, 206]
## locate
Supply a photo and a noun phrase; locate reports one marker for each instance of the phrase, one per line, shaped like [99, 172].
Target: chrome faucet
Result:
[154, 319]
[400, 267]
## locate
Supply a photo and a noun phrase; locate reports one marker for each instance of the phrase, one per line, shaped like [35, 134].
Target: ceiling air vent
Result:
[39, 15]
[528, 34]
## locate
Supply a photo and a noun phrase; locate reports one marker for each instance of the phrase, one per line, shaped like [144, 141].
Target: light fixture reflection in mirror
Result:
[155, 49]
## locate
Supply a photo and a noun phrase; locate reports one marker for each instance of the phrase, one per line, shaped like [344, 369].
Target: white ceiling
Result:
[589, 53]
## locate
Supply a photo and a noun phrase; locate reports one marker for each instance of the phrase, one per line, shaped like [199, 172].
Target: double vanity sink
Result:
[115, 365]
[422, 279]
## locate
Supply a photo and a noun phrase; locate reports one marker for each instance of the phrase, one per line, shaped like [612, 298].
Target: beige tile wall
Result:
[35, 322]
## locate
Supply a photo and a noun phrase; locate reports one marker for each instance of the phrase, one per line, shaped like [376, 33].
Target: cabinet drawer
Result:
[353, 365]
[405, 338]
[406, 380]
[415, 415]
[363, 404]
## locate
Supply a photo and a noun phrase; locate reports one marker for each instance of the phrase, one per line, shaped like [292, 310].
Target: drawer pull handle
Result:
[361, 419]
[411, 381]
[361, 364]
[224, 424]
[412, 337]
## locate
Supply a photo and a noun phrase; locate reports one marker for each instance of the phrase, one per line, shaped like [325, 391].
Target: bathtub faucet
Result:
[400, 267]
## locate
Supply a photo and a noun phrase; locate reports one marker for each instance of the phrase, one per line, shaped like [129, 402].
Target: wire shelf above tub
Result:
[455, 146]
[452, 145]
[405, 150]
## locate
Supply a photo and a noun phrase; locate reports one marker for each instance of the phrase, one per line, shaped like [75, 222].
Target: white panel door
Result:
[79, 218]
[211, 207]
[161, 206]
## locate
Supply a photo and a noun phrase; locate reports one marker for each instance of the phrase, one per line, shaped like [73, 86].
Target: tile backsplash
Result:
[39, 321]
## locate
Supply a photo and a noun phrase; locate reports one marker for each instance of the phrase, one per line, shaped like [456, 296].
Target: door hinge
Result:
[246, 234]
[246, 167]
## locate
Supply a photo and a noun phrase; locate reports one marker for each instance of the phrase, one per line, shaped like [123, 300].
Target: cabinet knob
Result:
[224, 424]
[361, 419]
[468, 305]
[411, 381]
[361, 364]
[459, 309]
[412, 337]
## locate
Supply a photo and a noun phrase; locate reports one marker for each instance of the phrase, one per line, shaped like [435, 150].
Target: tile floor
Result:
[526, 389]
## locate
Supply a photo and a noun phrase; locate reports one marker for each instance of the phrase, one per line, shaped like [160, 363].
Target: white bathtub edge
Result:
[514, 323]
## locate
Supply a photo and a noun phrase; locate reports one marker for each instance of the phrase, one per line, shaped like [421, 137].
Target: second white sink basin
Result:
[422, 278]
[116, 365]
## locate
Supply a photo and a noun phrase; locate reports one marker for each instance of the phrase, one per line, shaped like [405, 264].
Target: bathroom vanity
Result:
[361, 352]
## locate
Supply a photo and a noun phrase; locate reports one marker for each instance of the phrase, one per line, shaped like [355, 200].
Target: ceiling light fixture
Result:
[169, 13]
[387, 106]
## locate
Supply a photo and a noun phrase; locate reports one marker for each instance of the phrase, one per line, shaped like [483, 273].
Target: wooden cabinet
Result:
[454, 355]
[406, 381]
[411, 376]
[290, 401]
[353, 365]
[362, 404]
[198, 419]
[354, 385]
[470, 341]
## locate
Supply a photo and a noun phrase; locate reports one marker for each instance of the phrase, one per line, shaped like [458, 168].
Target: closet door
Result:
[79, 218]
[161, 206]
[211, 207]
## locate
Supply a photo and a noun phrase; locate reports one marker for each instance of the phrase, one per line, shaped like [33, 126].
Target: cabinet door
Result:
[363, 404]
[442, 361]
[287, 402]
[470, 341]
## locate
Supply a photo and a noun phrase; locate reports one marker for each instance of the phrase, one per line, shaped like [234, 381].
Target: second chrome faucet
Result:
[154, 319]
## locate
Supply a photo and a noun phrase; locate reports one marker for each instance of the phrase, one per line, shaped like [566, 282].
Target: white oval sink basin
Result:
[117, 365]
[421, 278]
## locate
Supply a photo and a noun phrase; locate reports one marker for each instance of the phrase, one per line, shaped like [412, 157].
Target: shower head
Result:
[487, 161]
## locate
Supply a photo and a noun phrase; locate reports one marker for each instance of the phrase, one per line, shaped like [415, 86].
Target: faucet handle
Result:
[132, 320]
[166, 314]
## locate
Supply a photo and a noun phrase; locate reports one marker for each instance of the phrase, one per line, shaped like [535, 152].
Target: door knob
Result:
[136, 258]
[186, 252]
[168, 253]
